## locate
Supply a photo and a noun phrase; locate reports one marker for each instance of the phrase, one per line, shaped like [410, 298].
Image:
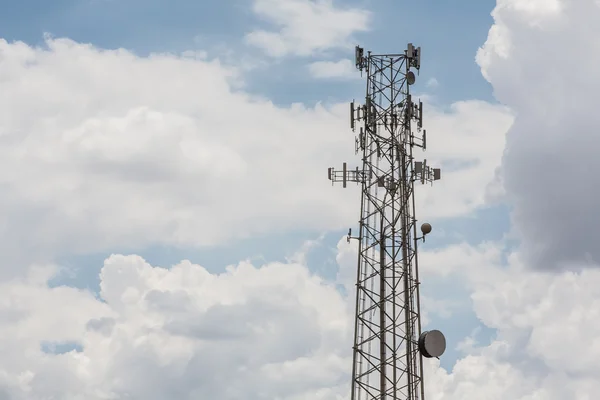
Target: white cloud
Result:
[83, 174]
[300, 255]
[129, 151]
[462, 259]
[306, 26]
[546, 326]
[276, 331]
[154, 150]
[342, 69]
[467, 142]
[269, 332]
[546, 73]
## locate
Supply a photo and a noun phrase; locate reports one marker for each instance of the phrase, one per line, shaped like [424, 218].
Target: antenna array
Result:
[389, 345]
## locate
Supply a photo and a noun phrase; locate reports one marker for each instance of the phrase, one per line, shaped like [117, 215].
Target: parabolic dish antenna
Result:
[432, 344]
[410, 78]
[426, 228]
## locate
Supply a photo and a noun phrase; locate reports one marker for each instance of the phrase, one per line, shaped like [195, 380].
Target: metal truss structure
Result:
[388, 343]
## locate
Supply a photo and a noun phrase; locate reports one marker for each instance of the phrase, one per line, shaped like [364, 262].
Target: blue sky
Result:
[116, 163]
[449, 32]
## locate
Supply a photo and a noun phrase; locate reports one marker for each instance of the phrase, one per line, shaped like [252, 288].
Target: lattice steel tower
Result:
[388, 343]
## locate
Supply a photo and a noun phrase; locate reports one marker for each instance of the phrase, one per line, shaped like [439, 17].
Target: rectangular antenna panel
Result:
[352, 115]
[361, 138]
[344, 176]
[418, 167]
[424, 139]
[437, 174]
[329, 173]
[358, 57]
[409, 51]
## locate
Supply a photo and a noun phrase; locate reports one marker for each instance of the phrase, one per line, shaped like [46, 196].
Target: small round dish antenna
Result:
[432, 344]
[426, 228]
[410, 78]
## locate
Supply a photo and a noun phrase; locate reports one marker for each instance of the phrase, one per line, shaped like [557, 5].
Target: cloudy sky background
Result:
[168, 230]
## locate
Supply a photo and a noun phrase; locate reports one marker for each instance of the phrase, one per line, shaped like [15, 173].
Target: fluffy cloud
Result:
[124, 149]
[541, 62]
[467, 143]
[268, 332]
[154, 150]
[546, 325]
[276, 331]
[103, 149]
[342, 69]
[306, 26]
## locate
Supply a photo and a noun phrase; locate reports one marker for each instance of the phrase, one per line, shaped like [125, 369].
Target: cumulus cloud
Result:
[147, 148]
[342, 69]
[468, 153]
[306, 26]
[136, 150]
[277, 331]
[546, 328]
[541, 63]
[103, 149]
[274, 331]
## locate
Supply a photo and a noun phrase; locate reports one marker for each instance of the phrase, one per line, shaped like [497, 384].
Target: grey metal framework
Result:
[388, 342]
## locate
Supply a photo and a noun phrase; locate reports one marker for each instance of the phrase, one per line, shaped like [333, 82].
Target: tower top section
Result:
[412, 54]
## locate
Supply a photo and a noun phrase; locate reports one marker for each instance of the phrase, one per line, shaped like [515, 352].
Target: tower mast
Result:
[388, 342]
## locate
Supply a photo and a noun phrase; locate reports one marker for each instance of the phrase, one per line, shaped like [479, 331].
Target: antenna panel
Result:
[361, 138]
[358, 57]
[418, 167]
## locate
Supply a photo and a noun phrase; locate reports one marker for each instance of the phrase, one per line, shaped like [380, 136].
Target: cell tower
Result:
[389, 345]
